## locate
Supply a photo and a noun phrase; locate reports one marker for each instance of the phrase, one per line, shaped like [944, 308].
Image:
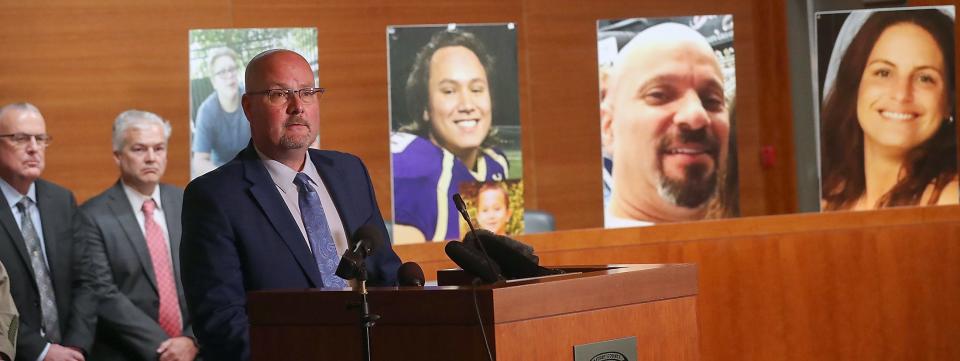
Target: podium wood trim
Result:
[528, 318]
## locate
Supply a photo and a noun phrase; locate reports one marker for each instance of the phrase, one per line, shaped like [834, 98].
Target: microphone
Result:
[472, 262]
[515, 258]
[364, 242]
[410, 274]
[462, 208]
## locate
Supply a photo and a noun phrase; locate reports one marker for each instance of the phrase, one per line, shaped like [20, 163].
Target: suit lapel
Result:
[13, 231]
[331, 179]
[172, 208]
[265, 193]
[51, 215]
[119, 205]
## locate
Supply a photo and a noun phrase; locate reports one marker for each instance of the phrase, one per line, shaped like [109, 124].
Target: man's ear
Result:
[245, 104]
[116, 157]
[606, 127]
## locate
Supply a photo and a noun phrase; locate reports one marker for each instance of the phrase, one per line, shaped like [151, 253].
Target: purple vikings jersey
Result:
[425, 177]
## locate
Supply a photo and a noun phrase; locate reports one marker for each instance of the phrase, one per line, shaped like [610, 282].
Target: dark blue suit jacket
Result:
[239, 236]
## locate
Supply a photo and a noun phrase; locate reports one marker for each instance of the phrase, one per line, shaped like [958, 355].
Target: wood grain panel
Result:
[564, 96]
[879, 285]
[83, 62]
[102, 57]
[665, 330]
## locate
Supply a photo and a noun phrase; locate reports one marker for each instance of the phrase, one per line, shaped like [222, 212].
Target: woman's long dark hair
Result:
[841, 149]
[417, 92]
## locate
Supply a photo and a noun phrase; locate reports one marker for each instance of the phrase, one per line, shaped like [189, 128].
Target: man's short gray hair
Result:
[21, 106]
[137, 119]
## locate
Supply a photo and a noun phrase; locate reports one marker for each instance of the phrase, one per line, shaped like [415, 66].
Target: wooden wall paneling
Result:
[82, 63]
[834, 286]
[564, 96]
[773, 118]
[104, 57]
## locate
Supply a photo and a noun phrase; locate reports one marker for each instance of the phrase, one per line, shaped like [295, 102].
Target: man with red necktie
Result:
[132, 234]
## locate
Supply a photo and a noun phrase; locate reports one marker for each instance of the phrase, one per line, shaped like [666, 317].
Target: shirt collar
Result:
[136, 198]
[283, 176]
[13, 196]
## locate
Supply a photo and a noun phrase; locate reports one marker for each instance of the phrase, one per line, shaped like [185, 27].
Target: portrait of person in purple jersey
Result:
[447, 137]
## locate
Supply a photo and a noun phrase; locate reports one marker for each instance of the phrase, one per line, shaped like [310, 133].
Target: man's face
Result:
[223, 75]
[668, 123]
[460, 108]
[21, 161]
[143, 157]
[280, 127]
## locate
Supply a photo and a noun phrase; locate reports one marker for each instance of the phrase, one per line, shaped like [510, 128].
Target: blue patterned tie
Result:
[318, 232]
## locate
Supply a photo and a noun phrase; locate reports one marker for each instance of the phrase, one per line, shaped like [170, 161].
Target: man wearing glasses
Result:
[221, 130]
[51, 289]
[276, 216]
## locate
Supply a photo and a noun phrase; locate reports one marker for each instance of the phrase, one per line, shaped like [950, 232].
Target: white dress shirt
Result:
[136, 202]
[283, 178]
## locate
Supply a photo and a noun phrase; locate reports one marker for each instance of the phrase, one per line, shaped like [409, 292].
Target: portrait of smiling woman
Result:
[452, 130]
[887, 123]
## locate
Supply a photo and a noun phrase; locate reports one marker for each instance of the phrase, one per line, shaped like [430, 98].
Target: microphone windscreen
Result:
[370, 236]
[410, 274]
[516, 259]
[472, 262]
[488, 237]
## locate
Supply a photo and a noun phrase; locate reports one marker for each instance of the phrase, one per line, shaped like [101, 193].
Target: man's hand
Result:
[178, 349]
[61, 353]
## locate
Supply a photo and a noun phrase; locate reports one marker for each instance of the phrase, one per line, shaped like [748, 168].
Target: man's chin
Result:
[690, 192]
[32, 172]
[295, 142]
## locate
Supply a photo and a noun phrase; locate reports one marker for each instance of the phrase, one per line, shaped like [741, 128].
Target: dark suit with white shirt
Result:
[240, 236]
[75, 301]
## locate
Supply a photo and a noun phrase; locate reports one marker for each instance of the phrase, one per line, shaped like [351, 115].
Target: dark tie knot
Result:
[303, 182]
[23, 204]
[148, 207]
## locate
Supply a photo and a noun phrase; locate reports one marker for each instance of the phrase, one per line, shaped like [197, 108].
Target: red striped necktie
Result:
[169, 315]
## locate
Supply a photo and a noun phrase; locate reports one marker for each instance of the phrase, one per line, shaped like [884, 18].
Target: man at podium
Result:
[277, 215]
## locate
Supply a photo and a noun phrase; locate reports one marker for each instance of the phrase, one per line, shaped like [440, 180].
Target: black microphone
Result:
[364, 242]
[472, 262]
[410, 274]
[515, 258]
[458, 201]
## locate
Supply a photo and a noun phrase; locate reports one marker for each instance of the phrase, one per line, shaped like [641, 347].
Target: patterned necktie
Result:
[48, 301]
[169, 315]
[318, 232]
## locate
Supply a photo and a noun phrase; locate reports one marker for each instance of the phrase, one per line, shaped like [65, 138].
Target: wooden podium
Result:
[534, 319]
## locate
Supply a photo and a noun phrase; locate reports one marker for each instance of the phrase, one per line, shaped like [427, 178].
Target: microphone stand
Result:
[367, 319]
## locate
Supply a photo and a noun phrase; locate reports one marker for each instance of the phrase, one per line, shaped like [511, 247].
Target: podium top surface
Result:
[583, 288]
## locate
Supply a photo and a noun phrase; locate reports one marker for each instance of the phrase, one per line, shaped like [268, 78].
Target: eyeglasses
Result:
[22, 139]
[282, 96]
[224, 72]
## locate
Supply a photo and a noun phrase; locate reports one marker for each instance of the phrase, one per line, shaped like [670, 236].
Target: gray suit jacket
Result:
[117, 252]
[76, 303]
